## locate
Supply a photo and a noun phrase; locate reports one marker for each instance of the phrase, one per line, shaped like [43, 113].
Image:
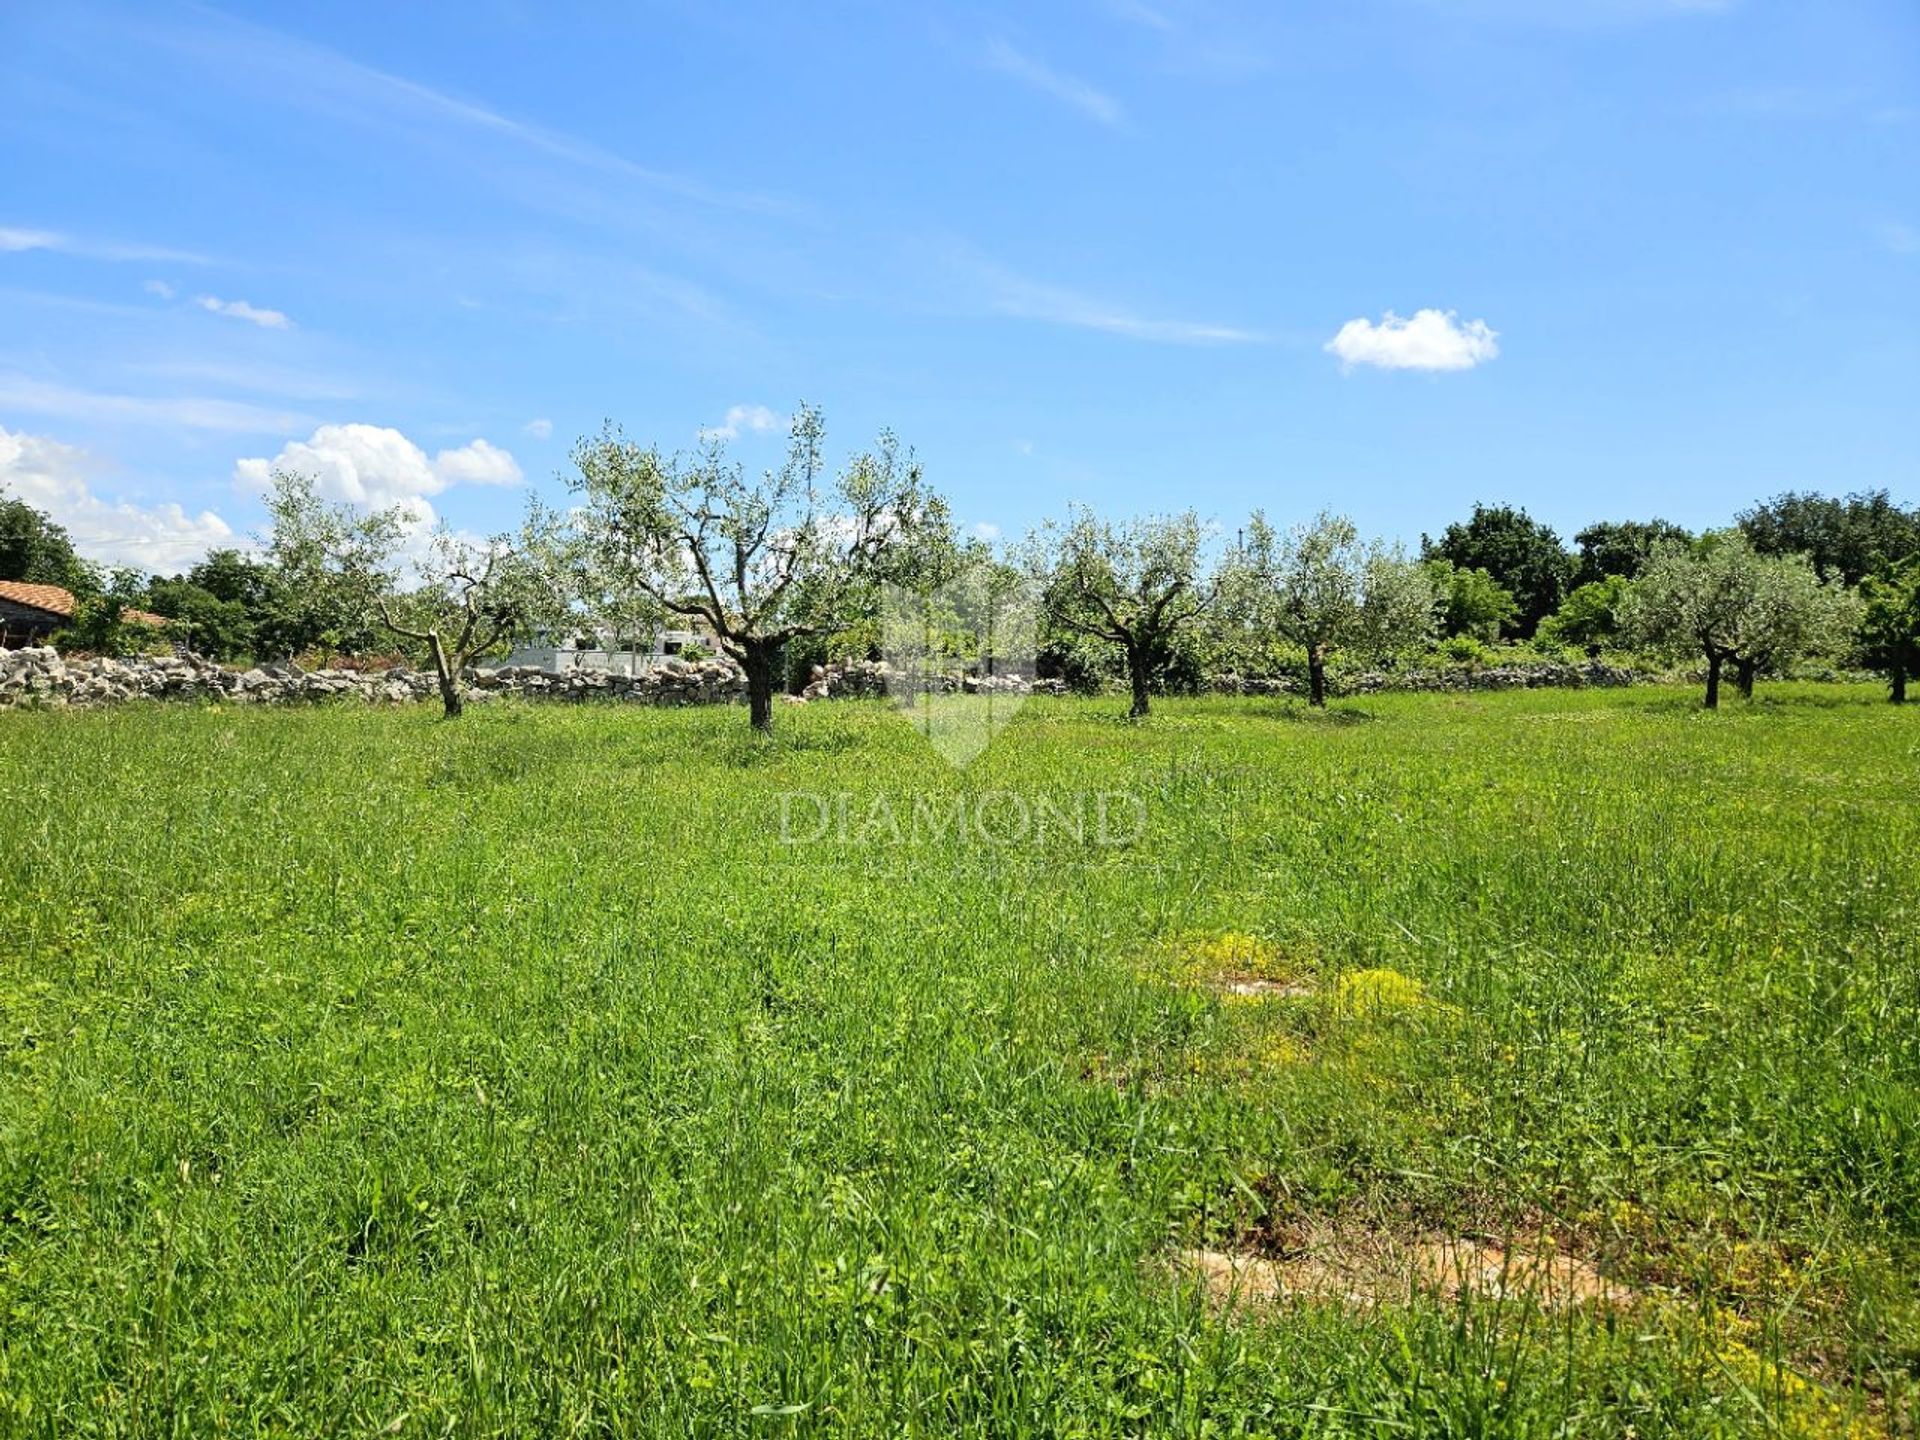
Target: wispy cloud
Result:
[1430, 340]
[161, 288]
[1781, 102]
[1198, 41]
[301, 72]
[541, 429]
[757, 418]
[1898, 237]
[16, 240]
[1141, 13]
[1579, 14]
[1070, 90]
[39, 397]
[241, 310]
[247, 374]
[1010, 294]
[78, 304]
[548, 283]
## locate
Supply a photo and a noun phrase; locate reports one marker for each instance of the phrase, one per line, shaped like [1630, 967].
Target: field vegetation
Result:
[1541, 1063]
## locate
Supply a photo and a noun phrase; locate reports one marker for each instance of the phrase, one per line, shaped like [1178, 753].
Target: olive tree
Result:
[471, 594]
[761, 562]
[329, 565]
[339, 569]
[1131, 585]
[1722, 600]
[1795, 614]
[1321, 587]
[1890, 625]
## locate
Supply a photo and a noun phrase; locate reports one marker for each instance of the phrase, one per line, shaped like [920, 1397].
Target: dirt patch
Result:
[1363, 1269]
[1233, 964]
[1255, 987]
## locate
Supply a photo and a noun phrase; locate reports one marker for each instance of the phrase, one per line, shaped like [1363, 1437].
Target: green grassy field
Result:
[366, 1074]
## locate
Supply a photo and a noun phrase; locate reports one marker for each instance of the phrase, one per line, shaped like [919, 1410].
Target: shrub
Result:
[1464, 650]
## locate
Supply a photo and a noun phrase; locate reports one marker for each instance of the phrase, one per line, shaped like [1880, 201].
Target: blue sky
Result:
[1137, 253]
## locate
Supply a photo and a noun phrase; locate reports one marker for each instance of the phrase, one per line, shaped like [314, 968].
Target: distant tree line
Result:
[785, 570]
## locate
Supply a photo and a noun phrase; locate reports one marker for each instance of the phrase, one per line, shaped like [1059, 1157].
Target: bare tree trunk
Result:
[1139, 667]
[451, 700]
[757, 661]
[1713, 679]
[1897, 684]
[1743, 677]
[1317, 676]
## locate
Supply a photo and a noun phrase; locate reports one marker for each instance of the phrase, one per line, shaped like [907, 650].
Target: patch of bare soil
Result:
[1254, 987]
[1364, 1268]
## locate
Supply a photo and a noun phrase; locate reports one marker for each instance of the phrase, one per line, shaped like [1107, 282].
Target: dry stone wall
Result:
[42, 677]
[1533, 675]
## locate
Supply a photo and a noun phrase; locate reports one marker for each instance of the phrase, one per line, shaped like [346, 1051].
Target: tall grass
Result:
[362, 1073]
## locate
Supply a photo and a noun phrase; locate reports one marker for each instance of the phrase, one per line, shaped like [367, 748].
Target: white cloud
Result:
[52, 477]
[241, 310]
[375, 467]
[17, 239]
[1069, 89]
[1431, 340]
[477, 463]
[14, 242]
[183, 412]
[986, 530]
[757, 418]
[160, 288]
[538, 429]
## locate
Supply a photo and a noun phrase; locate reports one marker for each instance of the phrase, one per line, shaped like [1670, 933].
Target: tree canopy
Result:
[332, 566]
[1132, 585]
[1589, 616]
[1523, 556]
[35, 550]
[1723, 600]
[1471, 602]
[1321, 586]
[1848, 537]
[470, 595]
[760, 562]
[1622, 547]
[1890, 624]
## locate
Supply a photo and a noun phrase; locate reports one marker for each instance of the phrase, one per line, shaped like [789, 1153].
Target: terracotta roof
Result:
[51, 598]
[56, 600]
